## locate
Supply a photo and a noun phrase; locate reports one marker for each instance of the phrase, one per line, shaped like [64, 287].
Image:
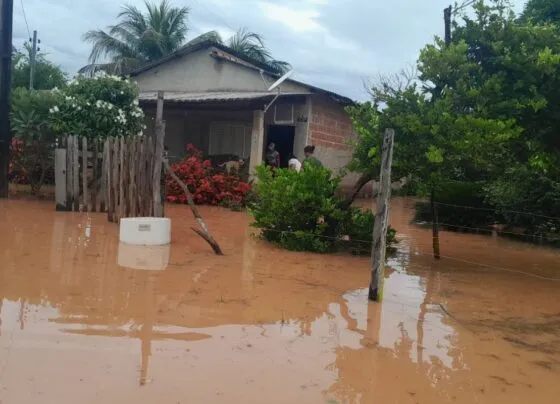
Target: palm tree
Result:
[138, 37]
[246, 43]
[252, 45]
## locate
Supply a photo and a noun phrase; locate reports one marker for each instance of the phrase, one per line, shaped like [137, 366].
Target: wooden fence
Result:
[115, 175]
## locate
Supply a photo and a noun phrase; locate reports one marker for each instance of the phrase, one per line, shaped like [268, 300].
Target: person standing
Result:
[310, 159]
[294, 163]
[272, 156]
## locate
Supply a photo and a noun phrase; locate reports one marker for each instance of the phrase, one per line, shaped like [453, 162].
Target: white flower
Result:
[140, 133]
[56, 109]
[135, 102]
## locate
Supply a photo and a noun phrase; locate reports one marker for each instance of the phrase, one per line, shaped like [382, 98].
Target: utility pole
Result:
[32, 58]
[6, 27]
[447, 24]
[379, 245]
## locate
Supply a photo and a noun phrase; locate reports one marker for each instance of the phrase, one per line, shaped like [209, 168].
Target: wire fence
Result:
[363, 246]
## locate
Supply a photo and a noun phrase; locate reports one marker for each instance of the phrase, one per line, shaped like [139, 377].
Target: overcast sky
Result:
[333, 44]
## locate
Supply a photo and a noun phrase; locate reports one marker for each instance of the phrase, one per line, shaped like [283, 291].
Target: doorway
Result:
[283, 137]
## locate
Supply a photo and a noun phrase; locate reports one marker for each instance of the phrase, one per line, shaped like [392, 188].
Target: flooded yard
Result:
[79, 324]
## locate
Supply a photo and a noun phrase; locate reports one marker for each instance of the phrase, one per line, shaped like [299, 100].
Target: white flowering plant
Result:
[98, 107]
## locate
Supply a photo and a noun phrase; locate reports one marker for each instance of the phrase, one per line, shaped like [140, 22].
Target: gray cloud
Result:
[333, 44]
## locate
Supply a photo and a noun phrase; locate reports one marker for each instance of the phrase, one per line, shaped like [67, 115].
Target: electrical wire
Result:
[25, 18]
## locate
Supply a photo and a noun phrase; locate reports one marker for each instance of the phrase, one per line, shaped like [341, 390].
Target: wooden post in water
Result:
[381, 219]
[158, 157]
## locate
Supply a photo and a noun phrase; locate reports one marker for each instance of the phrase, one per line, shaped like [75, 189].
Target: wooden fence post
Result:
[132, 177]
[85, 173]
[158, 156]
[96, 179]
[60, 168]
[381, 219]
[104, 179]
[69, 174]
[109, 189]
[115, 180]
[76, 172]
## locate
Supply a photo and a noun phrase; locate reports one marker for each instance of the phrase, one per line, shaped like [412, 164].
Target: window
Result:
[228, 138]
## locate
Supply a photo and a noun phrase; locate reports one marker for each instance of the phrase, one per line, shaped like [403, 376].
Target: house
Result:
[218, 100]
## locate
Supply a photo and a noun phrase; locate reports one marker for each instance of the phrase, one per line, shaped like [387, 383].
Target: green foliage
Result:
[483, 109]
[138, 38]
[98, 107]
[542, 11]
[299, 211]
[46, 75]
[32, 150]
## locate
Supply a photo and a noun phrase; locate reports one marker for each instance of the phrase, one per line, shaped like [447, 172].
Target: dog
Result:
[233, 166]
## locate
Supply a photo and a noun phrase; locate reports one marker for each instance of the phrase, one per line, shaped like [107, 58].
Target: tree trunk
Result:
[203, 232]
[362, 181]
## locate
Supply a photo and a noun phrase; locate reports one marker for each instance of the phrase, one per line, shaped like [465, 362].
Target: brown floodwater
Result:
[86, 320]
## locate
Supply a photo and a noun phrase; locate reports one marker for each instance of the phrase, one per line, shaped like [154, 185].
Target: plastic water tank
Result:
[145, 231]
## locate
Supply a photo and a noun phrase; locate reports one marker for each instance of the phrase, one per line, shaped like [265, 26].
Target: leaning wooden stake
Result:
[381, 219]
[203, 232]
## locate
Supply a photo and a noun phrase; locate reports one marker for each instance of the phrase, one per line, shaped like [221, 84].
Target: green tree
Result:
[138, 38]
[486, 108]
[542, 11]
[249, 44]
[46, 75]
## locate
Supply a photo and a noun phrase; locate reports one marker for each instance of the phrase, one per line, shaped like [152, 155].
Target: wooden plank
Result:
[115, 180]
[140, 177]
[122, 173]
[158, 157]
[103, 189]
[96, 179]
[381, 219]
[69, 175]
[85, 174]
[109, 186]
[60, 188]
[76, 173]
[132, 175]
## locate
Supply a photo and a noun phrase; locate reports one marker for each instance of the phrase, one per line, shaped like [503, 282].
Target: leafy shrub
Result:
[33, 145]
[102, 106]
[207, 187]
[300, 211]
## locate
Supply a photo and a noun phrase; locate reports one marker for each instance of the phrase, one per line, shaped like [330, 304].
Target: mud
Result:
[79, 324]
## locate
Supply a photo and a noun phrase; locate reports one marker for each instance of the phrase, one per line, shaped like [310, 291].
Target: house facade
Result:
[219, 101]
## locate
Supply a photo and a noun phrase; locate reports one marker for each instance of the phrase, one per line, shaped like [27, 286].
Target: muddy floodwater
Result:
[85, 320]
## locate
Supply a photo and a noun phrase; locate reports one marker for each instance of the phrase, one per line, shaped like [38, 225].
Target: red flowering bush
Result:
[30, 164]
[206, 186]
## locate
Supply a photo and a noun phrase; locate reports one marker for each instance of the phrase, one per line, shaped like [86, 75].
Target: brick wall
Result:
[330, 126]
[330, 130]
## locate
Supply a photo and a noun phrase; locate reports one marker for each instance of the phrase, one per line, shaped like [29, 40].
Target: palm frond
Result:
[105, 45]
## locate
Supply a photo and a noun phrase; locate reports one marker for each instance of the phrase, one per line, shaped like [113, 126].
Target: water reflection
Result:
[235, 328]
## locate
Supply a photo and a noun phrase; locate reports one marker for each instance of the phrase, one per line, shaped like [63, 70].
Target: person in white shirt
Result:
[294, 163]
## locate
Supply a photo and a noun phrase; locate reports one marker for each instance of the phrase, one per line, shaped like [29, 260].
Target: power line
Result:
[25, 18]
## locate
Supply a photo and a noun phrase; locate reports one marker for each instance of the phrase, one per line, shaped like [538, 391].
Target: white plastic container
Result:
[145, 231]
[147, 258]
